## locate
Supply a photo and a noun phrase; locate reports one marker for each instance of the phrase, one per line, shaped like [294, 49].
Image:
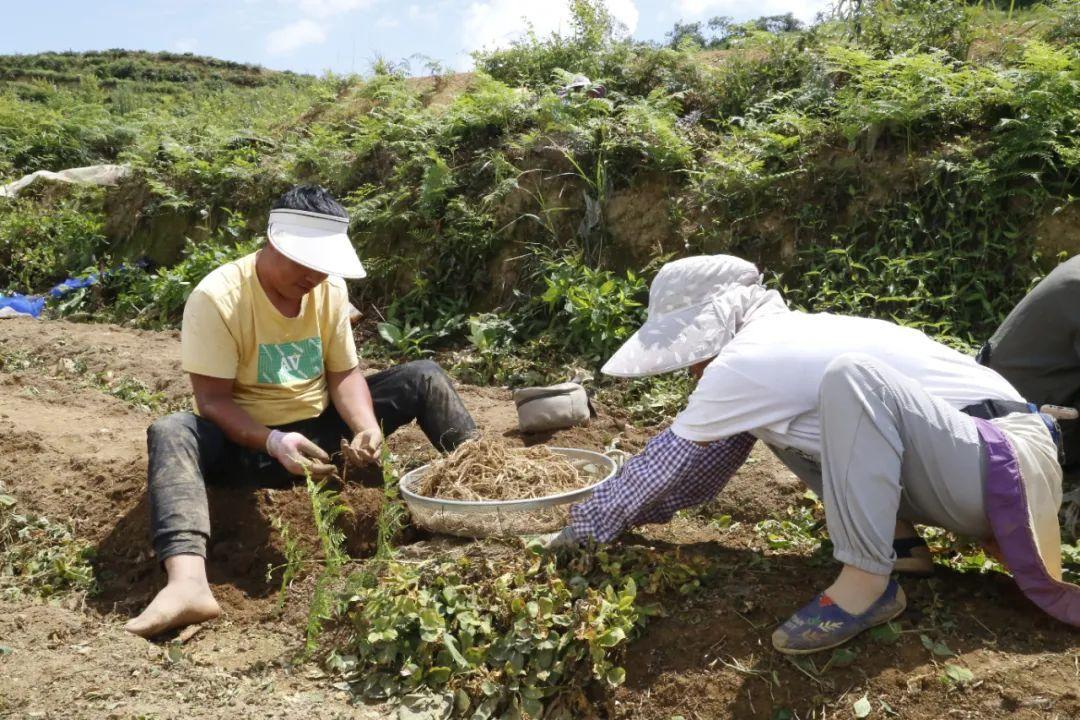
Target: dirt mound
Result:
[244, 544]
[66, 663]
[711, 659]
[153, 358]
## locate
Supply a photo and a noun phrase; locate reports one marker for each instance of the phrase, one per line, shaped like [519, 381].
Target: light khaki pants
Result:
[890, 450]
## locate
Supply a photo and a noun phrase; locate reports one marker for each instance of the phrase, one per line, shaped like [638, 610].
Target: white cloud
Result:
[626, 12]
[294, 36]
[495, 23]
[185, 45]
[387, 22]
[805, 10]
[312, 28]
[328, 8]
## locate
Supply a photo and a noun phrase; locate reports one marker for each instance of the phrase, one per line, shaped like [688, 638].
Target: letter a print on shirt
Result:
[283, 363]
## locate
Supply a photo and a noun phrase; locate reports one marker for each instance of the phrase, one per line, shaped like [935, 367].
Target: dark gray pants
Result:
[187, 451]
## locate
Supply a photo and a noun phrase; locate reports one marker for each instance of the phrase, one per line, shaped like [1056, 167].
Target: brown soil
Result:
[76, 454]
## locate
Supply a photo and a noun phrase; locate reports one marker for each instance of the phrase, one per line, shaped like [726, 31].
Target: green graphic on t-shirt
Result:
[288, 362]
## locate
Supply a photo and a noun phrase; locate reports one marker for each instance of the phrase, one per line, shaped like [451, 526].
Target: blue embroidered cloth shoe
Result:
[822, 625]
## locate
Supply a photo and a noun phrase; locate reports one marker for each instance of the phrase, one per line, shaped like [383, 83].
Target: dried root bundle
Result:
[485, 468]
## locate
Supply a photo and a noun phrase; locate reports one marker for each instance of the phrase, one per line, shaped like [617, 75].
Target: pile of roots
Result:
[486, 468]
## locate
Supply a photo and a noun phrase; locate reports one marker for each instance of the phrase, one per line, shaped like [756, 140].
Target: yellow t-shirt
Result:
[232, 330]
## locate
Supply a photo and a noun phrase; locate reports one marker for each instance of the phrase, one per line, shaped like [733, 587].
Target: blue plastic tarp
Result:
[70, 284]
[21, 305]
[17, 305]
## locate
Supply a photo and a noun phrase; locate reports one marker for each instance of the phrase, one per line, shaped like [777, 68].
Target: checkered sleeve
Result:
[671, 473]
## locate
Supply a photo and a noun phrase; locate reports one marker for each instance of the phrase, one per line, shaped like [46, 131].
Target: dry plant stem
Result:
[485, 468]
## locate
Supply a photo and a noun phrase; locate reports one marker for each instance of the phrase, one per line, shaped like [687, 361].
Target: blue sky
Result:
[312, 36]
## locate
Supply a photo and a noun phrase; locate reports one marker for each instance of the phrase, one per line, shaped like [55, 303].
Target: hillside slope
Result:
[113, 67]
[914, 161]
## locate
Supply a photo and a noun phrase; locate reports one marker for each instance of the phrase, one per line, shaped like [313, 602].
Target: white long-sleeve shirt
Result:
[766, 380]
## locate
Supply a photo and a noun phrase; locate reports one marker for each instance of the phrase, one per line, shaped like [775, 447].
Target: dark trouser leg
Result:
[182, 447]
[256, 467]
[421, 391]
[187, 451]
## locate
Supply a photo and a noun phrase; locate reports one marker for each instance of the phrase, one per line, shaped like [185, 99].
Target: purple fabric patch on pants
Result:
[1007, 510]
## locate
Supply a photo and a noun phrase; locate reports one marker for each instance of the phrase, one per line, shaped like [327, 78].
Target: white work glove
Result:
[562, 540]
[298, 455]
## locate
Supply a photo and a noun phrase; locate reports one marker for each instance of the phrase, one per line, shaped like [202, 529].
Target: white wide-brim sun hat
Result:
[687, 320]
[320, 242]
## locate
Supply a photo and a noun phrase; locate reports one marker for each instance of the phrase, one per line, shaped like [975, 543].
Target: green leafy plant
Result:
[407, 341]
[392, 512]
[801, 528]
[491, 336]
[514, 633]
[295, 558]
[39, 242]
[956, 675]
[1070, 557]
[534, 60]
[40, 557]
[132, 391]
[326, 508]
[654, 400]
[597, 309]
[898, 26]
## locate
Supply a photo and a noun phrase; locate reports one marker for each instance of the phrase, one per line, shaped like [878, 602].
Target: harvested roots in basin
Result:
[485, 468]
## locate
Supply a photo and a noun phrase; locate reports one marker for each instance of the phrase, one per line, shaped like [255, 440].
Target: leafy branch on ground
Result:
[500, 630]
[39, 557]
[326, 509]
[392, 512]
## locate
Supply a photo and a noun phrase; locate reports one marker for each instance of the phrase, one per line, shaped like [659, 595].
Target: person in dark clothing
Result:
[268, 346]
[1037, 349]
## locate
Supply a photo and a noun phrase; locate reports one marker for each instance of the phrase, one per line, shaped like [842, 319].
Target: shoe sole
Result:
[898, 613]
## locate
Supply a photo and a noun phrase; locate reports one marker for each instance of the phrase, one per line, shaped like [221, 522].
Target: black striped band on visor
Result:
[331, 224]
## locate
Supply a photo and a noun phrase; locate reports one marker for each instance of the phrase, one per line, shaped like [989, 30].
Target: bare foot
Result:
[181, 602]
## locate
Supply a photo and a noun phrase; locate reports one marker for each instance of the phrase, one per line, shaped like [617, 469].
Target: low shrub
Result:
[508, 632]
[42, 243]
[39, 557]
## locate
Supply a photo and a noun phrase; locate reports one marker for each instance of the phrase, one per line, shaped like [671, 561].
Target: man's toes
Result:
[146, 625]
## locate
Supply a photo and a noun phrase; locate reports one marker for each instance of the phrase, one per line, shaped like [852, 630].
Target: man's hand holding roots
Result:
[299, 455]
[364, 448]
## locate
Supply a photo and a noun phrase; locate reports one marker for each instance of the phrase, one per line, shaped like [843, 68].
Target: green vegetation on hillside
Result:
[894, 160]
[115, 67]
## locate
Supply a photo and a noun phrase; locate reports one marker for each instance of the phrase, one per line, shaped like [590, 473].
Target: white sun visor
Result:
[320, 242]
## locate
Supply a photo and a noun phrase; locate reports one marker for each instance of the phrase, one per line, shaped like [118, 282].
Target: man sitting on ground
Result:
[268, 345]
